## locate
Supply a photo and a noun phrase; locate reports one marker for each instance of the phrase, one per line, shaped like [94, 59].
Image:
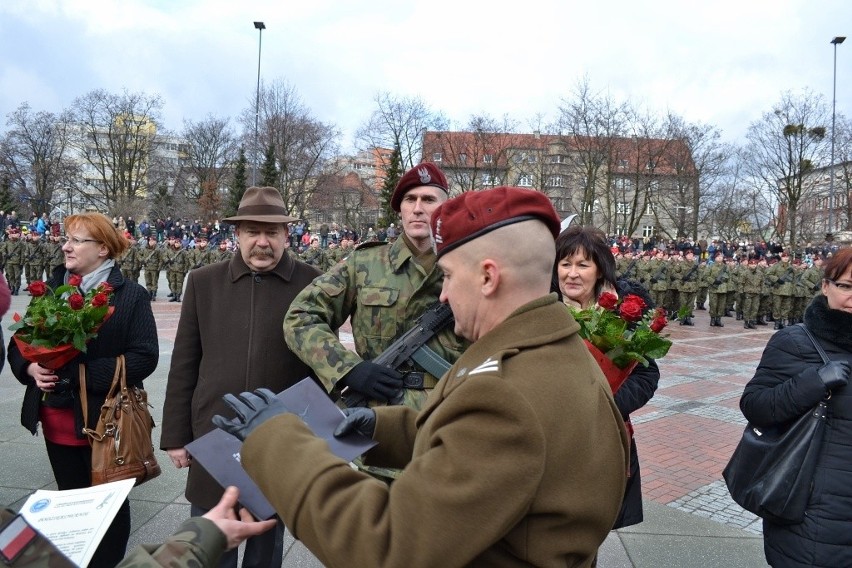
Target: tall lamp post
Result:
[836, 41]
[259, 26]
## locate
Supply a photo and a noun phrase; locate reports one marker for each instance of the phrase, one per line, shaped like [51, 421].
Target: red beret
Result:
[426, 173]
[474, 213]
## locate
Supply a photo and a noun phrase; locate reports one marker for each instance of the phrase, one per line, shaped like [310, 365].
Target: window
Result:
[555, 181]
[558, 159]
[525, 180]
[654, 185]
[488, 158]
[464, 178]
[489, 179]
[622, 164]
[649, 209]
[648, 231]
[462, 158]
[651, 164]
[532, 158]
[622, 208]
[437, 157]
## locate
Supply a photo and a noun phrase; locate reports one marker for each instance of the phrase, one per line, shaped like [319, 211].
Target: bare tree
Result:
[303, 145]
[117, 138]
[479, 152]
[397, 122]
[589, 123]
[34, 157]
[783, 148]
[211, 149]
[843, 169]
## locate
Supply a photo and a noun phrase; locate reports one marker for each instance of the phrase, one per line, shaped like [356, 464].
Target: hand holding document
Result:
[75, 520]
[219, 452]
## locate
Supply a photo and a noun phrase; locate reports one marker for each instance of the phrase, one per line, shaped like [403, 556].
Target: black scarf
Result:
[831, 326]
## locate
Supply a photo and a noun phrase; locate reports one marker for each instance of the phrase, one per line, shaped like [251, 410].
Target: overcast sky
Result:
[723, 62]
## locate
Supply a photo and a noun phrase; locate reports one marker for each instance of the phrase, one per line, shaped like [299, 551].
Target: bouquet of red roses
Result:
[620, 334]
[58, 323]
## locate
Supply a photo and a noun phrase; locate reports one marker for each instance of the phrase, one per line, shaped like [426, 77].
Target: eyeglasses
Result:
[845, 289]
[75, 242]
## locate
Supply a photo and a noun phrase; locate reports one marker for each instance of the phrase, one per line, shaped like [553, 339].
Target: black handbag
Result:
[771, 471]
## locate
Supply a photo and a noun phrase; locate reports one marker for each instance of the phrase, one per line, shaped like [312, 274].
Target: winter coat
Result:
[785, 386]
[131, 331]
[229, 340]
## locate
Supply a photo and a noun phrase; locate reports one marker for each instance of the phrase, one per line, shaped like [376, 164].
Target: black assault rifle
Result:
[411, 346]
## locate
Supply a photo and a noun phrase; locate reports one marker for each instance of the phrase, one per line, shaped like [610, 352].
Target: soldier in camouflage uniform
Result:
[130, 260]
[34, 258]
[200, 255]
[55, 256]
[177, 265]
[152, 257]
[659, 280]
[780, 276]
[802, 291]
[687, 281]
[735, 293]
[15, 250]
[702, 294]
[717, 278]
[763, 311]
[315, 256]
[382, 288]
[751, 284]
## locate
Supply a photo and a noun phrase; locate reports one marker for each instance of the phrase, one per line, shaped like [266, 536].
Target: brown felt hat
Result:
[262, 204]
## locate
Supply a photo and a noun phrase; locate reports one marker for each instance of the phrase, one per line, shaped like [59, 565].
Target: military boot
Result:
[174, 297]
[153, 296]
[713, 321]
[687, 320]
[739, 316]
[778, 325]
[177, 297]
[749, 325]
[760, 321]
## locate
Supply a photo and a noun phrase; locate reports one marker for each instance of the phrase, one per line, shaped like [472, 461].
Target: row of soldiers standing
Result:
[756, 291]
[171, 257]
[32, 256]
[322, 258]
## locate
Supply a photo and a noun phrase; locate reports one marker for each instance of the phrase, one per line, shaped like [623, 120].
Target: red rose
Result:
[106, 288]
[37, 288]
[634, 299]
[658, 324]
[608, 300]
[75, 280]
[100, 299]
[631, 311]
[76, 301]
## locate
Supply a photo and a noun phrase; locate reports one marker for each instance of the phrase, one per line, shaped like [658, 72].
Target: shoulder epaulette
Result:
[369, 244]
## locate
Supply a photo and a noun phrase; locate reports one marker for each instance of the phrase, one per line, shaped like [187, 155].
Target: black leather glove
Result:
[253, 409]
[834, 374]
[359, 419]
[374, 381]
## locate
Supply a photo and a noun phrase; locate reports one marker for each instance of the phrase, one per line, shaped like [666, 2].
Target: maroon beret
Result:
[474, 213]
[426, 173]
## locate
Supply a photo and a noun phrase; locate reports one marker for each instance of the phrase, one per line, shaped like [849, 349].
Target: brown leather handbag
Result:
[121, 441]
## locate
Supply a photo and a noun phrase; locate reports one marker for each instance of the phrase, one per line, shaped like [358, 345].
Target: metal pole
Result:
[260, 27]
[831, 203]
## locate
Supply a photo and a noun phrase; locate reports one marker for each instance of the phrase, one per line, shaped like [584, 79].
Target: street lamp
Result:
[259, 26]
[835, 42]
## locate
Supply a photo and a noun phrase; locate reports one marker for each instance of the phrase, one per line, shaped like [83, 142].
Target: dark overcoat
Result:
[785, 386]
[229, 339]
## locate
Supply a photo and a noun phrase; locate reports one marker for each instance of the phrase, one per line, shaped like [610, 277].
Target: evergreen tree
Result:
[7, 201]
[269, 173]
[239, 185]
[393, 171]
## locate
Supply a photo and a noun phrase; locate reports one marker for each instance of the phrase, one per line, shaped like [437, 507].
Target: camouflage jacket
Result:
[383, 290]
[751, 281]
[151, 258]
[197, 542]
[780, 276]
[15, 250]
[315, 257]
[718, 277]
[176, 260]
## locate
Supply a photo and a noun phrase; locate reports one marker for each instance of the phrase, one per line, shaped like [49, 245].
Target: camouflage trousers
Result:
[152, 279]
[782, 306]
[35, 272]
[13, 276]
[701, 297]
[717, 304]
[175, 279]
[686, 300]
[750, 307]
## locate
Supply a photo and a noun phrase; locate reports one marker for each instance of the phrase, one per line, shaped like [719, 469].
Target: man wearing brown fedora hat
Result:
[382, 288]
[229, 337]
